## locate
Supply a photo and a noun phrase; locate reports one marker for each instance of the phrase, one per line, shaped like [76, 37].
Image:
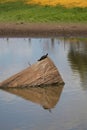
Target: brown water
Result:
[59, 108]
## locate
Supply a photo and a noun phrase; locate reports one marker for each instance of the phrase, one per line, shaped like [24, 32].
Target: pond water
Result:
[59, 108]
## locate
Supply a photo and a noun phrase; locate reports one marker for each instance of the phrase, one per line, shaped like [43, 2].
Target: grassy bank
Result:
[21, 12]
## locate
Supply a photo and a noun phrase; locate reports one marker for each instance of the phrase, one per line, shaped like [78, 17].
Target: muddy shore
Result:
[42, 30]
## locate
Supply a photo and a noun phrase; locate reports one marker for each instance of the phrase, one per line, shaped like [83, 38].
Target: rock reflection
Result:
[47, 96]
[77, 57]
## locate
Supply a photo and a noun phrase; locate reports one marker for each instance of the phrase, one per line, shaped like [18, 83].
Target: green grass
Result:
[20, 12]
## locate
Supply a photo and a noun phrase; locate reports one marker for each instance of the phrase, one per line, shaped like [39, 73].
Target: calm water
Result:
[63, 108]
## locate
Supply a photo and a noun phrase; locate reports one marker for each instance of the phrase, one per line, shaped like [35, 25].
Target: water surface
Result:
[62, 108]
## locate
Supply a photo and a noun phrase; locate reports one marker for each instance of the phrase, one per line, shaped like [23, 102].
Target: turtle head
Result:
[47, 54]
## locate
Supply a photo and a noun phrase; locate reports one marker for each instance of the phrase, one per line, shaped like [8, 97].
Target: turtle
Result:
[43, 57]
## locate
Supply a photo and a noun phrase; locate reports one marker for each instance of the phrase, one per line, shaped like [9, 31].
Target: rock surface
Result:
[43, 72]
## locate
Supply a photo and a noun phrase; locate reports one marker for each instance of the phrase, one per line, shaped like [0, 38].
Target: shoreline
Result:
[43, 30]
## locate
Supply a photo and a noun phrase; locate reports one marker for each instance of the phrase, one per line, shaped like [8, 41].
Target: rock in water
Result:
[41, 73]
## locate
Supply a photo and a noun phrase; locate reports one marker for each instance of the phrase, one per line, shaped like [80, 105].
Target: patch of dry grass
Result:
[66, 3]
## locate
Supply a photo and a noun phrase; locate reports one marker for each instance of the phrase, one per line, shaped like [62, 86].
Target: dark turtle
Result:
[43, 57]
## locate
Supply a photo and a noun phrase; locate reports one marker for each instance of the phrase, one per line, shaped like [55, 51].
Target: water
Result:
[63, 108]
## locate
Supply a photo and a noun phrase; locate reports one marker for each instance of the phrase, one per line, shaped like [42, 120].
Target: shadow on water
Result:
[47, 96]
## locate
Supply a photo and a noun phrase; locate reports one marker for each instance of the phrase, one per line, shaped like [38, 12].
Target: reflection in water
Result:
[70, 57]
[47, 97]
[78, 59]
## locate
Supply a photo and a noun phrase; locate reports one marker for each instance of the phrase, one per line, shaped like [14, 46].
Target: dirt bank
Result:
[42, 30]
